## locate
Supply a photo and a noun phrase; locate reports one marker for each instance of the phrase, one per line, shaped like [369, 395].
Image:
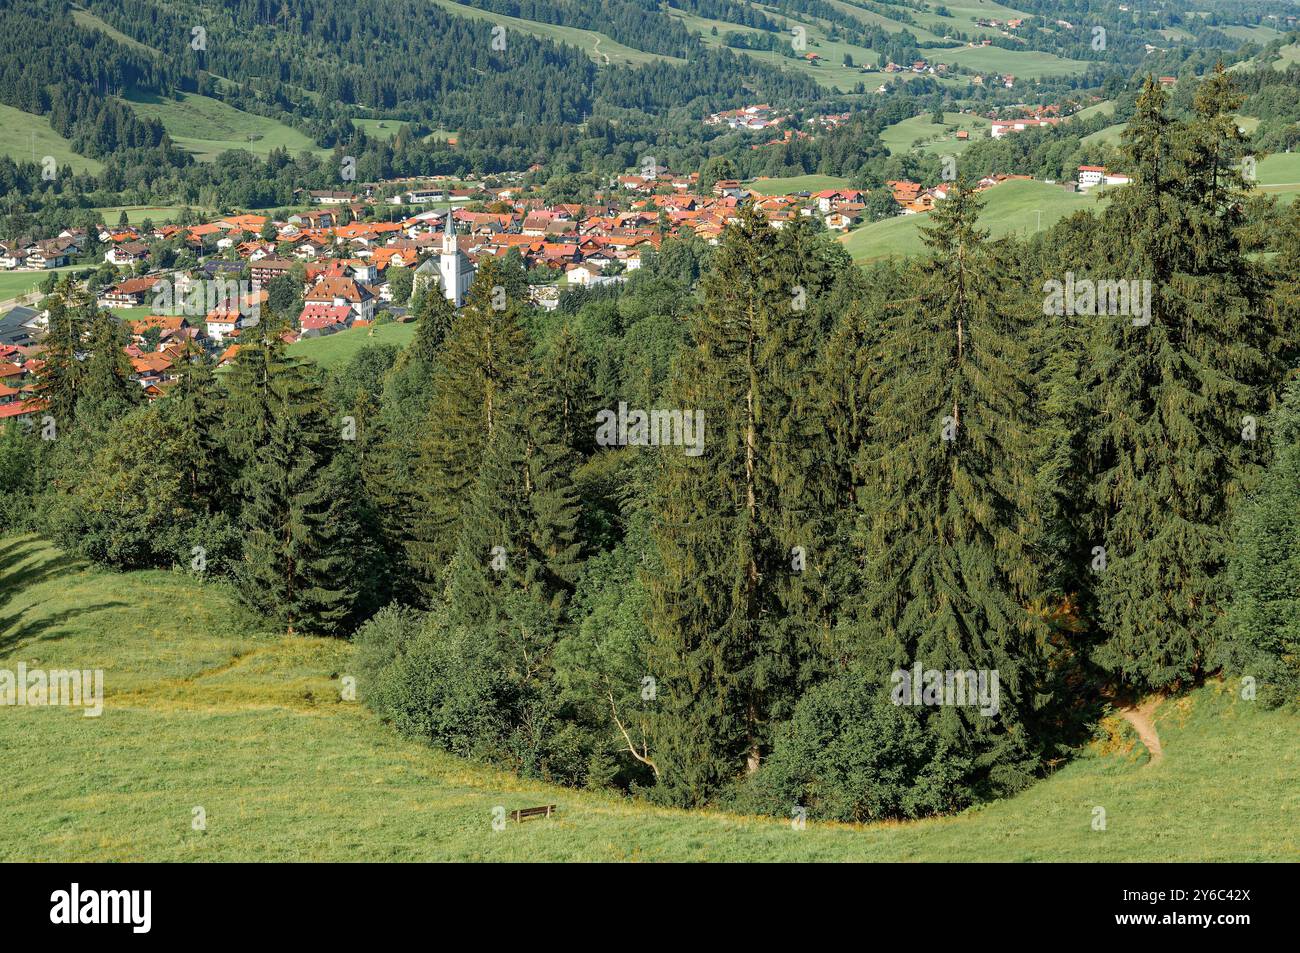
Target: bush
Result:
[446, 684]
[849, 754]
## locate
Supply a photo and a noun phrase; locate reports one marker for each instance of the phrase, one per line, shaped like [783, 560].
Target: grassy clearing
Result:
[16, 283]
[1108, 136]
[29, 138]
[207, 127]
[1022, 64]
[829, 71]
[1104, 108]
[335, 349]
[926, 136]
[797, 183]
[603, 50]
[84, 18]
[203, 709]
[1279, 175]
[136, 214]
[1010, 208]
[379, 128]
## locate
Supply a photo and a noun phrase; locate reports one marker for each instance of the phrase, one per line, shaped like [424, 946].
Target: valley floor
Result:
[202, 711]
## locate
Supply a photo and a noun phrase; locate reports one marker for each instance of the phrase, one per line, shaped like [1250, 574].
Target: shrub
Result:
[849, 754]
[447, 685]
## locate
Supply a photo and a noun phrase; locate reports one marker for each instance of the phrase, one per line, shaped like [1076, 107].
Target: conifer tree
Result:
[194, 406]
[60, 381]
[568, 372]
[1177, 391]
[1059, 362]
[106, 389]
[389, 446]
[951, 580]
[1265, 572]
[480, 363]
[250, 405]
[734, 611]
[298, 517]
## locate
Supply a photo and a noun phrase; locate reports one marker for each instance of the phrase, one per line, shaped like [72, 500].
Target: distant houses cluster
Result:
[346, 256]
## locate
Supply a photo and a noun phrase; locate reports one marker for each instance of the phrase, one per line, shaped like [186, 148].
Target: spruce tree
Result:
[251, 397]
[106, 389]
[519, 531]
[195, 408]
[389, 445]
[734, 610]
[298, 516]
[1264, 616]
[60, 381]
[480, 363]
[1177, 392]
[951, 580]
[568, 372]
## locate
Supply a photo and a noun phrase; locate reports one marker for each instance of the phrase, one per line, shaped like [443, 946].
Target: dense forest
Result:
[927, 463]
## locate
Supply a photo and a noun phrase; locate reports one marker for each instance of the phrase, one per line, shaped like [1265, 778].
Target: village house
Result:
[128, 294]
[1004, 127]
[331, 197]
[127, 253]
[20, 325]
[341, 291]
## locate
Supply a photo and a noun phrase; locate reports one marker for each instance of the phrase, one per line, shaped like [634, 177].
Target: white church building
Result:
[454, 269]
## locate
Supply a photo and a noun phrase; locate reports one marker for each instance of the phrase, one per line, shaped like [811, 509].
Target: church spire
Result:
[449, 246]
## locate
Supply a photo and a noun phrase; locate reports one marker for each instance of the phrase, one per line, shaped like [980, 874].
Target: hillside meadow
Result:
[1017, 206]
[206, 710]
[336, 349]
[207, 127]
[29, 138]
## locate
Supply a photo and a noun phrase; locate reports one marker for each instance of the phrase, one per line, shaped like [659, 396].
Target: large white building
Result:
[455, 270]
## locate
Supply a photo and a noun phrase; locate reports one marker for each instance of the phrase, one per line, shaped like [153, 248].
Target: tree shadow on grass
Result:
[25, 562]
[15, 576]
[40, 630]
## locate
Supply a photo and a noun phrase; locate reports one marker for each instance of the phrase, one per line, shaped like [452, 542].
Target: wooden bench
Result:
[524, 813]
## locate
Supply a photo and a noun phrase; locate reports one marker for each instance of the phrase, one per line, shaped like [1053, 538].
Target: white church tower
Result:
[454, 267]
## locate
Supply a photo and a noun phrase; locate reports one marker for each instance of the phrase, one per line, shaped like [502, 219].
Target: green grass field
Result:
[797, 183]
[603, 50]
[1107, 136]
[15, 283]
[84, 18]
[29, 138]
[379, 128]
[829, 71]
[1009, 208]
[335, 349]
[204, 710]
[136, 214]
[925, 136]
[207, 127]
[1279, 175]
[1104, 108]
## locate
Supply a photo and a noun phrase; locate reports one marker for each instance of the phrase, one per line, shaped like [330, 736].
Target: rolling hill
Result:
[602, 49]
[207, 127]
[30, 138]
[205, 710]
[1012, 207]
[335, 349]
[922, 134]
